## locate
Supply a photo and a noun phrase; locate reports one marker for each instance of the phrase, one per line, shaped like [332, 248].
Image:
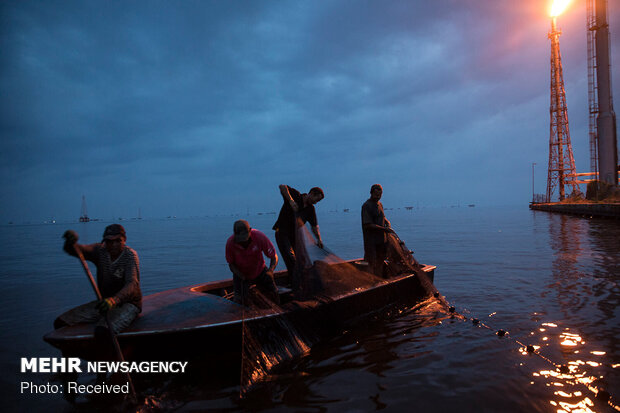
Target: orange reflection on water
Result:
[581, 407]
[571, 340]
[579, 402]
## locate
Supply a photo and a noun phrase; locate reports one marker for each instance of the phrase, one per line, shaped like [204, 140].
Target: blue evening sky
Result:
[193, 108]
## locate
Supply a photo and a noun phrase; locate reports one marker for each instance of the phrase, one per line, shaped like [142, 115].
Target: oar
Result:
[117, 347]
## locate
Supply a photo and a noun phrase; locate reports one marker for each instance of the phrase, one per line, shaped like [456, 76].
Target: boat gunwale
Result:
[201, 289]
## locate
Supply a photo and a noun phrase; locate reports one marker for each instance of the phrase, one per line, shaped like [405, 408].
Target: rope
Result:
[599, 392]
[241, 384]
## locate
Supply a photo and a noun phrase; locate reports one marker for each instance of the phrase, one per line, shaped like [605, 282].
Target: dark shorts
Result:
[264, 282]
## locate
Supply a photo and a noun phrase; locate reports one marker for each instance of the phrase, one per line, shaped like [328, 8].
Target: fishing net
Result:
[399, 259]
[269, 341]
[324, 275]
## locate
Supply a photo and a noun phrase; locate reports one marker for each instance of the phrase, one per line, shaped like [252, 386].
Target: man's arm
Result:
[387, 223]
[368, 224]
[268, 249]
[88, 251]
[286, 195]
[273, 263]
[317, 234]
[378, 227]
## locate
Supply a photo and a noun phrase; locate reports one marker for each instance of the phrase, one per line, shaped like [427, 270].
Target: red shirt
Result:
[250, 260]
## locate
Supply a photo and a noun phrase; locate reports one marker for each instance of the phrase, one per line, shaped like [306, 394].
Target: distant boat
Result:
[84, 216]
[345, 210]
[471, 205]
[408, 208]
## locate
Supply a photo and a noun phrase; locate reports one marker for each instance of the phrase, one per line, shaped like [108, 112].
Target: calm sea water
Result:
[550, 281]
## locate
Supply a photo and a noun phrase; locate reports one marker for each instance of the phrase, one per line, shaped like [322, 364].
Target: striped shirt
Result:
[119, 279]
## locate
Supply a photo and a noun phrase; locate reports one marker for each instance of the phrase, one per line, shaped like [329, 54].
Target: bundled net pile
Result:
[325, 275]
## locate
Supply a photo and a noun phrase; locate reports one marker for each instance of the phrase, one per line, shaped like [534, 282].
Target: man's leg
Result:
[371, 258]
[120, 317]
[380, 256]
[267, 285]
[287, 251]
[85, 313]
[242, 290]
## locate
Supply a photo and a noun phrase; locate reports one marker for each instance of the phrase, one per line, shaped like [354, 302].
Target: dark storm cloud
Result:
[156, 100]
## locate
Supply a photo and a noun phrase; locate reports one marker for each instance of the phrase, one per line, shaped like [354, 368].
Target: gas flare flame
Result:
[558, 7]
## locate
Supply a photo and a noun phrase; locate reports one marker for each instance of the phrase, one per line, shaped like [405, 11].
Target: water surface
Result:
[550, 281]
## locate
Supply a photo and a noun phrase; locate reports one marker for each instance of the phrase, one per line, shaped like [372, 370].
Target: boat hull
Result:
[195, 322]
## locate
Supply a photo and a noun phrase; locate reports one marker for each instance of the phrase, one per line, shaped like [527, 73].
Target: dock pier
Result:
[589, 210]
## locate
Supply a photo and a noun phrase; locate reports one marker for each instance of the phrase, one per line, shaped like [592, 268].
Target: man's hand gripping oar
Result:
[72, 237]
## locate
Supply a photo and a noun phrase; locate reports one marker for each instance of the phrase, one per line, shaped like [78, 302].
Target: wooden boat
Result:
[202, 320]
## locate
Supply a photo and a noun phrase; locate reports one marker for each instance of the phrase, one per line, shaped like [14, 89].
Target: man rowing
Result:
[118, 279]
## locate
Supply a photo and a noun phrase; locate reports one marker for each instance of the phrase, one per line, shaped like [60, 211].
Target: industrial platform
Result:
[589, 210]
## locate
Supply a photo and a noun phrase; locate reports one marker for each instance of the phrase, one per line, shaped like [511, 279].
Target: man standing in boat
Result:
[295, 212]
[118, 279]
[244, 254]
[375, 228]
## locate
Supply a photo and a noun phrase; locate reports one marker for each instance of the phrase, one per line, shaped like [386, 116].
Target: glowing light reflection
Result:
[580, 407]
[564, 378]
[558, 7]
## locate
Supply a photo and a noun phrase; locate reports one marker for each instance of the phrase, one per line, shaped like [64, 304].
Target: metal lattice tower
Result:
[562, 169]
[591, 27]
